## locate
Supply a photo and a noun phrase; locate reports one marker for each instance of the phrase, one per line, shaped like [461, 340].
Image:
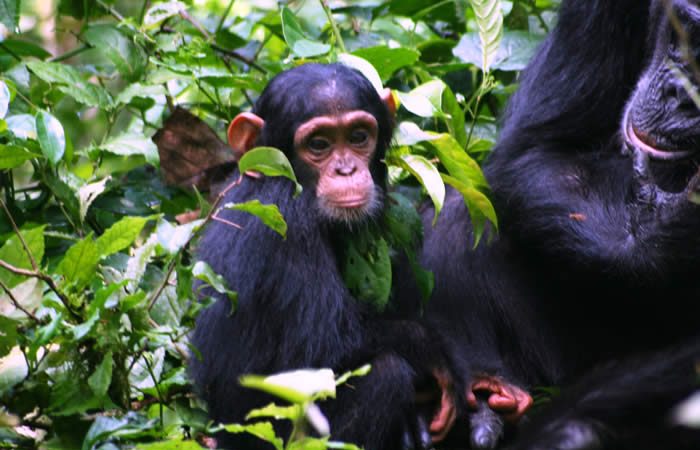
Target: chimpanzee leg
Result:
[625, 405]
[377, 410]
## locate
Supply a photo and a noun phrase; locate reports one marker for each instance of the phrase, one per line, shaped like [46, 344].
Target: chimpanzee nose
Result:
[345, 169]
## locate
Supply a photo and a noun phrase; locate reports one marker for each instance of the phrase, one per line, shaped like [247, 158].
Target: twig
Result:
[334, 26]
[185, 15]
[160, 289]
[43, 277]
[16, 303]
[227, 222]
[224, 15]
[19, 235]
[239, 57]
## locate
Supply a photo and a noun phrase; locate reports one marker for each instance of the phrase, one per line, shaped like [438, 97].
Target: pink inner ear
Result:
[243, 132]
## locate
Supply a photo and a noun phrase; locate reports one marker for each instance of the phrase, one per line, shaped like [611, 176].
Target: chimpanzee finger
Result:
[486, 425]
[415, 434]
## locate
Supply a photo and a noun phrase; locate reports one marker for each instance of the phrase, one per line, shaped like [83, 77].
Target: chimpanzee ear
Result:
[389, 100]
[243, 132]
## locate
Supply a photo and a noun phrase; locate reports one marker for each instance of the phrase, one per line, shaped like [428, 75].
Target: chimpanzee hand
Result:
[494, 402]
[435, 413]
[508, 400]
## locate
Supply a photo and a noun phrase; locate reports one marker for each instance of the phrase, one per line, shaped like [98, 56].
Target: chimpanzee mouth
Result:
[643, 141]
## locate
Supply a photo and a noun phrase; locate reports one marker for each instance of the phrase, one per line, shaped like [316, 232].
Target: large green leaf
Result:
[12, 252]
[261, 430]
[51, 136]
[297, 40]
[100, 380]
[514, 52]
[12, 156]
[366, 269]
[489, 19]
[120, 235]
[480, 207]
[129, 58]
[363, 66]
[270, 215]
[132, 144]
[71, 83]
[428, 176]
[80, 263]
[388, 60]
[268, 161]
[457, 162]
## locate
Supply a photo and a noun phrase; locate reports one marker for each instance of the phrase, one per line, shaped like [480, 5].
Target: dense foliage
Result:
[96, 272]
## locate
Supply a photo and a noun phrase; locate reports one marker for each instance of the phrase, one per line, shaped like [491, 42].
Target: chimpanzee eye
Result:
[318, 144]
[359, 136]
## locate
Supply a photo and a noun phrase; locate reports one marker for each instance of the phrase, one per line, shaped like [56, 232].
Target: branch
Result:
[14, 301]
[19, 235]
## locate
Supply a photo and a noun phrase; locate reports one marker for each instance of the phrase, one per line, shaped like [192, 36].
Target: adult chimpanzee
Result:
[294, 310]
[597, 258]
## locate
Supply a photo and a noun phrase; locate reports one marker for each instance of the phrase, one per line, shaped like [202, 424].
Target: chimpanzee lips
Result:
[645, 142]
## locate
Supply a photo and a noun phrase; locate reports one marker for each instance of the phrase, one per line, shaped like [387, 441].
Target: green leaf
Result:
[514, 52]
[9, 13]
[12, 252]
[80, 263]
[268, 161]
[8, 335]
[359, 372]
[366, 269]
[4, 97]
[364, 67]
[293, 412]
[425, 100]
[296, 386]
[100, 380]
[88, 193]
[132, 144]
[12, 156]
[22, 126]
[172, 444]
[457, 162]
[129, 58]
[51, 136]
[120, 235]
[428, 175]
[489, 20]
[261, 430]
[480, 207]
[173, 238]
[161, 11]
[203, 271]
[295, 38]
[24, 48]
[270, 215]
[388, 60]
[71, 83]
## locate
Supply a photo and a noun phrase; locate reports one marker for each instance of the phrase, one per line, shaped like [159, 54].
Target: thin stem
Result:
[334, 26]
[14, 301]
[142, 14]
[71, 53]
[19, 235]
[224, 15]
[239, 57]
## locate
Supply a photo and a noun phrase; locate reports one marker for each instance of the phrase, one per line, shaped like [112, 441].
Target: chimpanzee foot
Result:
[571, 434]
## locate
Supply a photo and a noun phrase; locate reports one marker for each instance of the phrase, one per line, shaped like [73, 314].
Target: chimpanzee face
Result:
[334, 127]
[662, 119]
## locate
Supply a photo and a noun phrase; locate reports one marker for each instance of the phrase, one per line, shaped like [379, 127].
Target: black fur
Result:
[294, 310]
[596, 262]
